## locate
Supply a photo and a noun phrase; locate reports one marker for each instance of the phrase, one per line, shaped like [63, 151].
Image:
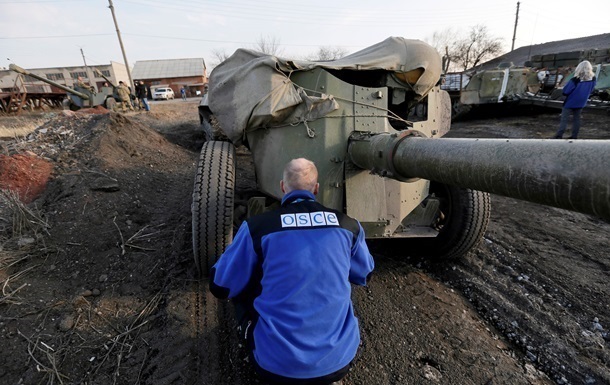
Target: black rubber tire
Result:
[466, 216]
[212, 207]
[208, 131]
[109, 103]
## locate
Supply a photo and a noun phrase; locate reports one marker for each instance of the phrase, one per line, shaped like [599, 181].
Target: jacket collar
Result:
[298, 195]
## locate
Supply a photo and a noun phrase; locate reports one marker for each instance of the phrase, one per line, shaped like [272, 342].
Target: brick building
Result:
[173, 73]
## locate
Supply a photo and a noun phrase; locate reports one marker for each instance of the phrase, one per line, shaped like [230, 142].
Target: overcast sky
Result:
[51, 33]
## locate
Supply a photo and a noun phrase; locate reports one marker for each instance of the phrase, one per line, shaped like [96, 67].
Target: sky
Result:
[52, 33]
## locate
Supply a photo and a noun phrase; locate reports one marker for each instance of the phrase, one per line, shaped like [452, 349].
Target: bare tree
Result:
[326, 53]
[269, 45]
[463, 51]
[445, 44]
[476, 47]
[218, 56]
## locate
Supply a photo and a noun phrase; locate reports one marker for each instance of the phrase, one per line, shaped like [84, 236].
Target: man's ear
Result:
[315, 189]
[282, 187]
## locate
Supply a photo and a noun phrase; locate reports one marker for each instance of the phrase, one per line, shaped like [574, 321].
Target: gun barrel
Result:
[22, 71]
[569, 174]
[99, 73]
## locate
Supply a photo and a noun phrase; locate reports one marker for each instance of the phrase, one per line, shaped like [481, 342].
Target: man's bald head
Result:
[300, 174]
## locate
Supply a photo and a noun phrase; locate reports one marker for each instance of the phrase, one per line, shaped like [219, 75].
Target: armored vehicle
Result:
[499, 85]
[80, 96]
[393, 173]
[539, 82]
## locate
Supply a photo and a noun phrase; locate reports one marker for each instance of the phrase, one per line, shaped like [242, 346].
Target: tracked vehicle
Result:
[377, 162]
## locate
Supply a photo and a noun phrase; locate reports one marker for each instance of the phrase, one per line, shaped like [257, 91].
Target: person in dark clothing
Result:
[288, 272]
[577, 92]
[142, 94]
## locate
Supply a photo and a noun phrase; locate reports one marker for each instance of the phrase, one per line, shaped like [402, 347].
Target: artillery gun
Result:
[79, 97]
[397, 176]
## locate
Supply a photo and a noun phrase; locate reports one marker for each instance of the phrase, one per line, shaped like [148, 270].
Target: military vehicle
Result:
[79, 96]
[499, 85]
[397, 176]
[539, 82]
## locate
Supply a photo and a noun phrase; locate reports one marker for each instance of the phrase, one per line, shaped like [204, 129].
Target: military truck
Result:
[398, 176]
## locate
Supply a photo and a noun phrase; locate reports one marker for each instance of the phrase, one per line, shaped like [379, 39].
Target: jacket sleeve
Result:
[567, 90]
[362, 263]
[232, 272]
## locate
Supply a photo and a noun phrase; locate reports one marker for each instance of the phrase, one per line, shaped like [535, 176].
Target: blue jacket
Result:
[303, 257]
[577, 92]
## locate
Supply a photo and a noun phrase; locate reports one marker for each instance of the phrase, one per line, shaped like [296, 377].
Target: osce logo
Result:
[318, 218]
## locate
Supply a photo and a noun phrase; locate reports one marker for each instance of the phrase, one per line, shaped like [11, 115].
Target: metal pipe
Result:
[100, 74]
[20, 70]
[569, 174]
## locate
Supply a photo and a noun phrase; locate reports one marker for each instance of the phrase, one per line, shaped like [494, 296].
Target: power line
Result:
[250, 11]
[53, 37]
[39, 1]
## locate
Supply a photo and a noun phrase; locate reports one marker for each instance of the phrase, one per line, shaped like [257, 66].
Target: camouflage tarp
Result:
[251, 90]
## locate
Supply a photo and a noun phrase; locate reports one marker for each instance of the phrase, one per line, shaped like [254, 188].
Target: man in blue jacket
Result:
[289, 272]
[577, 93]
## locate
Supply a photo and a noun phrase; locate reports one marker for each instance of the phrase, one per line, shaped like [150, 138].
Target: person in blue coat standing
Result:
[577, 93]
[289, 272]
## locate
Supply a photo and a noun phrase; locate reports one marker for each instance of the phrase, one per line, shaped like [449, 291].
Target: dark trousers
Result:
[563, 123]
[246, 318]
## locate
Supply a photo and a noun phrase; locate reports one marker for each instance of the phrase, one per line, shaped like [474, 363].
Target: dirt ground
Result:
[98, 280]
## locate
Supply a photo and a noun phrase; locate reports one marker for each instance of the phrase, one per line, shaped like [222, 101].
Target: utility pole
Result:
[87, 70]
[121, 43]
[515, 32]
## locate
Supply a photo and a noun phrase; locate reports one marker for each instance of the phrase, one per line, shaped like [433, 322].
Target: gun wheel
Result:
[212, 206]
[109, 103]
[462, 221]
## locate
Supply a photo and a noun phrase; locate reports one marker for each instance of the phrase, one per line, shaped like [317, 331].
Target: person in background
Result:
[183, 92]
[142, 94]
[577, 92]
[81, 83]
[124, 94]
[288, 272]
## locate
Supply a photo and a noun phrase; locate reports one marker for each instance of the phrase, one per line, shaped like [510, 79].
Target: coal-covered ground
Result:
[98, 281]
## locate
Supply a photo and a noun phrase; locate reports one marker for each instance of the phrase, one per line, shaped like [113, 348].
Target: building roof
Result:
[519, 56]
[170, 68]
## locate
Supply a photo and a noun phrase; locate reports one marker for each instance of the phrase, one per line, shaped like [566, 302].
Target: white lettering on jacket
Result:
[318, 218]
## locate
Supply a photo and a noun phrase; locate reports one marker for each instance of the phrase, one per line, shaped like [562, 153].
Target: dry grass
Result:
[16, 127]
[16, 220]
[21, 218]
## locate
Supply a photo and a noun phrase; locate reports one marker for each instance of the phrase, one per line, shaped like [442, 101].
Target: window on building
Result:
[36, 89]
[75, 75]
[56, 76]
[106, 73]
[29, 79]
[155, 83]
